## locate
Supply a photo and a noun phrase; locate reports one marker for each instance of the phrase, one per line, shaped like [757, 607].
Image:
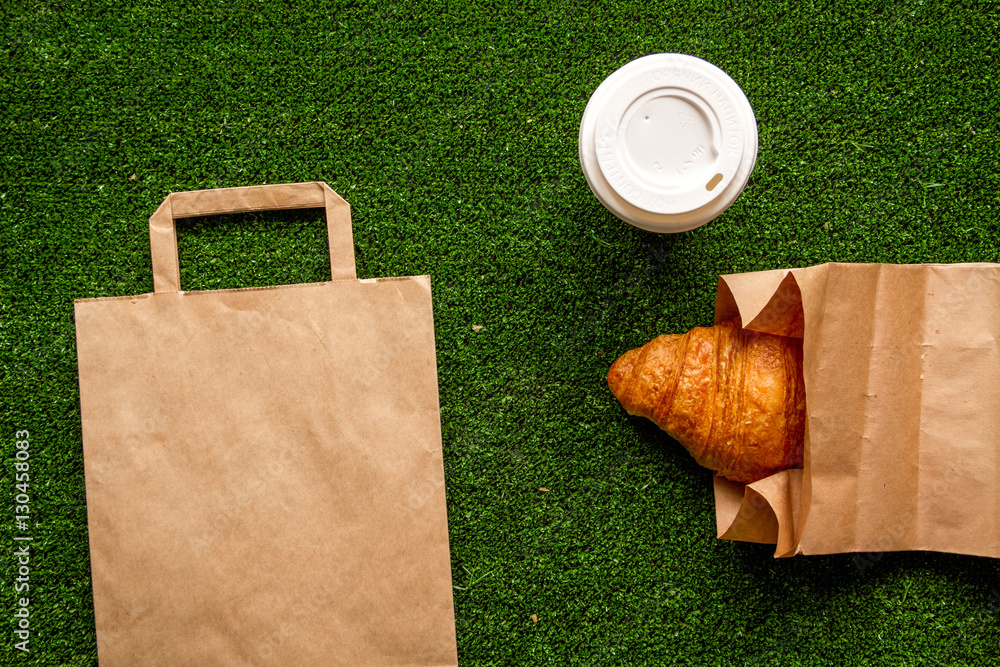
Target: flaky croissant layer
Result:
[734, 398]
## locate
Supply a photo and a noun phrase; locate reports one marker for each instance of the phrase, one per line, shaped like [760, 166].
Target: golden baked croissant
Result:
[734, 398]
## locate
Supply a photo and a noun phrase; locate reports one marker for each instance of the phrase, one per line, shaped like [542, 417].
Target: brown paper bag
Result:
[902, 373]
[264, 475]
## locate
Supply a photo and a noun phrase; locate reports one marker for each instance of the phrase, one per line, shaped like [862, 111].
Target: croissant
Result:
[734, 398]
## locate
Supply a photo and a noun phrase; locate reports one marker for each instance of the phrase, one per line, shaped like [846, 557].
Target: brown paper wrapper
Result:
[265, 482]
[902, 374]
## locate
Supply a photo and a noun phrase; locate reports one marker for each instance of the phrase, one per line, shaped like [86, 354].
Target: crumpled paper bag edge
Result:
[766, 511]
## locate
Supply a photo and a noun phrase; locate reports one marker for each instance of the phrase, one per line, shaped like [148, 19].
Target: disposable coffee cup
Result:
[668, 142]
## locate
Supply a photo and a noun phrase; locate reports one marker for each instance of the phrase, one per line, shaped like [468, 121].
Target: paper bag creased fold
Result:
[902, 373]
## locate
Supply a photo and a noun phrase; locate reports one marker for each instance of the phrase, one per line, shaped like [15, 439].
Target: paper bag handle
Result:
[163, 229]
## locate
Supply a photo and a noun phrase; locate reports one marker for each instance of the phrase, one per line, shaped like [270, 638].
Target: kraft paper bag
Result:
[265, 483]
[902, 374]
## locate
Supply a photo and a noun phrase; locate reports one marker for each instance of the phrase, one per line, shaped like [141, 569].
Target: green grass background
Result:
[451, 128]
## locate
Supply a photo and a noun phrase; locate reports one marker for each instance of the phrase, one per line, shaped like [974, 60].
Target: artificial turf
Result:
[451, 128]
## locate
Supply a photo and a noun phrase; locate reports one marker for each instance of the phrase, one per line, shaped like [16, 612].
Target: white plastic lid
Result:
[668, 142]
